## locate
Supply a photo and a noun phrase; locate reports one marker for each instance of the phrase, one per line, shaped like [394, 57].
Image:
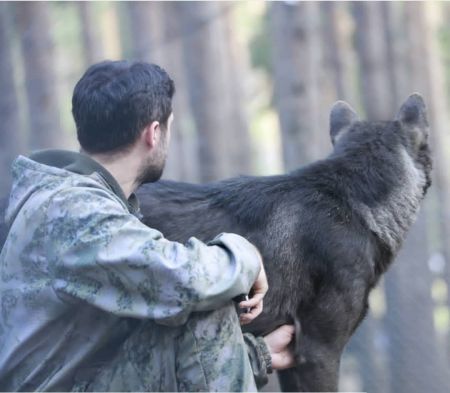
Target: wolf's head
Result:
[408, 132]
[395, 158]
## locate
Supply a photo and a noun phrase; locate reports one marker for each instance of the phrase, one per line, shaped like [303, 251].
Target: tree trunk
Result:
[237, 75]
[397, 68]
[295, 31]
[182, 161]
[10, 132]
[413, 343]
[146, 21]
[438, 102]
[205, 63]
[416, 363]
[371, 49]
[91, 36]
[339, 56]
[34, 26]
[363, 347]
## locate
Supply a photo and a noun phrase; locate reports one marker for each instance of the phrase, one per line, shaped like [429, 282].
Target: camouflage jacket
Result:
[79, 270]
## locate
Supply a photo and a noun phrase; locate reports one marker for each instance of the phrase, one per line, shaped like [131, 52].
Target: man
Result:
[92, 299]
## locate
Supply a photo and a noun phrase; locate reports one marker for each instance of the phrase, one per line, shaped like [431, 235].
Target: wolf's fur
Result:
[326, 231]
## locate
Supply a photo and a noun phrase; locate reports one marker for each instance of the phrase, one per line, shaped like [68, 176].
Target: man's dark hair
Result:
[115, 100]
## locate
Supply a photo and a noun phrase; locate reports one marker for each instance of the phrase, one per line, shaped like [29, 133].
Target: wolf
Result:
[326, 232]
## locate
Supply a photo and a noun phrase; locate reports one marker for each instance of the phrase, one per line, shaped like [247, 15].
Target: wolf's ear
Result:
[341, 118]
[413, 118]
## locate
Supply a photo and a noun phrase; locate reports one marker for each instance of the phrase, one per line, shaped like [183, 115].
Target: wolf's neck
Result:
[392, 217]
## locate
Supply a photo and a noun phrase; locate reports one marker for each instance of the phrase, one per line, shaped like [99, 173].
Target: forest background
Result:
[255, 82]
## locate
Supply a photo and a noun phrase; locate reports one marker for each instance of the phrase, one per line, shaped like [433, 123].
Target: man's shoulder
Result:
[78, 193]
[90, 190]
[37, 186]
[52, 219]
[77, 197]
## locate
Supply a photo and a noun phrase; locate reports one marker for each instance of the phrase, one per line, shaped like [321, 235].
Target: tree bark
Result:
[237, 74]
[413, 343]
[182, 161]
[146, 21]
[425, 58]
[296, 54]
[205, 63]
[415, 361]
[371, 49]
[339, 56]
[363, 347]
[10, 132]
[34, 26]
[93, 49]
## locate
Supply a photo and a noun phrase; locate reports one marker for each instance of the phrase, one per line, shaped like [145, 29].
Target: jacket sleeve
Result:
[103, 255]
[260, 358]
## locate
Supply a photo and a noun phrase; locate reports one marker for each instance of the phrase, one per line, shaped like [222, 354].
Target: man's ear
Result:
[342, 116]
[151, 134]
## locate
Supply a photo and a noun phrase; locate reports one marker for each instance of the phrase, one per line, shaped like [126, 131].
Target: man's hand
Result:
[278, 343]
[255, 303]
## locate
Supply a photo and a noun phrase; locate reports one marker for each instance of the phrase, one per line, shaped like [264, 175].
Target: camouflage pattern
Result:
[92, 299]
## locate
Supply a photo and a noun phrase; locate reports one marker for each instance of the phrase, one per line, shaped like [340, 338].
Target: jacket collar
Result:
[84, 165]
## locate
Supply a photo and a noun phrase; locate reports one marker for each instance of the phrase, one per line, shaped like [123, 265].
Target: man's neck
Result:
[122, 167]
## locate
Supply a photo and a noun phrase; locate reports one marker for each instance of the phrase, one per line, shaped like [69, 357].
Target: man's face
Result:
[153, 167]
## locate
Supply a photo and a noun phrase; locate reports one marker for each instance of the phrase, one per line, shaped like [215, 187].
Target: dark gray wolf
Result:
[326, 231]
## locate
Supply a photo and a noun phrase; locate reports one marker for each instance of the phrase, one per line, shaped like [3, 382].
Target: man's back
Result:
[47, 333]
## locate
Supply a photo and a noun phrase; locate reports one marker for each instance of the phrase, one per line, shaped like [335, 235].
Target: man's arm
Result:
[105, 256]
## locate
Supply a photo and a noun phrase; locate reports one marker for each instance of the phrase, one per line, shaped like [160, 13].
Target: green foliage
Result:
[67, 30]
[444, 41]
[260, 48]
[69, 56]
[125, 30]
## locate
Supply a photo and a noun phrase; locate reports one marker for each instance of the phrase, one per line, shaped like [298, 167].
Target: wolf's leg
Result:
[321, 332]
[316, 373]
[289, 380]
